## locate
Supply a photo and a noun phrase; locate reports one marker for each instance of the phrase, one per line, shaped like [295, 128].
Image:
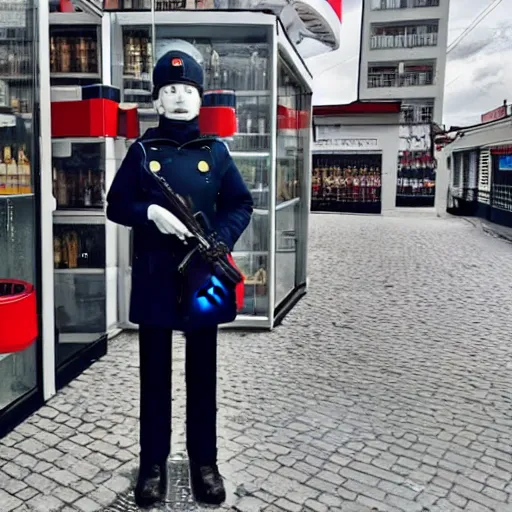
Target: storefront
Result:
[53, 232]
[53, 180]
[273, 91]
[21, 382]
[354, 168]
[416, 180]
[476, 169]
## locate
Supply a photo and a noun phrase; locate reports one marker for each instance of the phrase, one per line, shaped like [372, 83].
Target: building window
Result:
[416, 112]
[404, 36]
[389, 76]
[378, 5]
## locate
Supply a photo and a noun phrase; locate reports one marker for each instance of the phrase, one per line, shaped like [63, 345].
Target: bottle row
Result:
[239, 72]
[75, 54]
[225, 66]
[138, 55]
[143, 5]
[15, 59]
[18, 97]
[417, 173]
[348, 174]
[349, 194]
[416, 188]
[15, 171]
[78, 247]
[78, 189]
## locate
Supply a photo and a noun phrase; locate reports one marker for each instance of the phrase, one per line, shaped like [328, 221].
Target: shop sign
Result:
[494, 115]
[348, 143]
[501, 150]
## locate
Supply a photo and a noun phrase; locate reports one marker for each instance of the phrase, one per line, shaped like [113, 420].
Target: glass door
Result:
[234, 57]
[294, 104]
[19, 242]
[238, 58]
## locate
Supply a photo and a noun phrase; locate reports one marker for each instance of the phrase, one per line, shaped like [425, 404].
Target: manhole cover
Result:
[178, 497]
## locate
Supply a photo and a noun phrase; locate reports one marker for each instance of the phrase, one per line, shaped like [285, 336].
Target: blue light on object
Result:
[209, 299]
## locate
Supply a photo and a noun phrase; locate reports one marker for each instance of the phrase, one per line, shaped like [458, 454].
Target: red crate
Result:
[97, 117]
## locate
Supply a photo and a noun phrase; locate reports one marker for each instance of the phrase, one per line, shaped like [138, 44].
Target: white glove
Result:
[167, 223]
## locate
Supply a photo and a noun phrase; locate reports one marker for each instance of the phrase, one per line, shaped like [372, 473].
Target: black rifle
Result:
[209, 247]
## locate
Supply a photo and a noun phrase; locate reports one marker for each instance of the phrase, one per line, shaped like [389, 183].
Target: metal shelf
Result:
[249, 154]
[17, 77]
[92, 211]
[96, 271]
[73, 19]
[76, 76]
[252, 93]
[78, 218]
[15, 196]
[80, 140]
[250, 253]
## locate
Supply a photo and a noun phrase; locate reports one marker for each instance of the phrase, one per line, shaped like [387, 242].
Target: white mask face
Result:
[180, 102]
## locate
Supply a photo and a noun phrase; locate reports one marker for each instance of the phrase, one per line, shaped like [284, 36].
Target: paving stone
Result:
[103, 496]
[26, 494]
[9, 502]
[66, 494]
[251, 504]
[118, 484]
[15, 471]
[284, 504]
[31, 446]
[334, 404]
[87, 505]
[45, 503]
[40, 483]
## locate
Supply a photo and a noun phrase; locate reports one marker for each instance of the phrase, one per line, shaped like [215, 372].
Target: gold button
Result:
[154, 166]
[203, 166]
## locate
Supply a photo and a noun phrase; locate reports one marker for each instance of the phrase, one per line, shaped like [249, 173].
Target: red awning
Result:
[358, 107]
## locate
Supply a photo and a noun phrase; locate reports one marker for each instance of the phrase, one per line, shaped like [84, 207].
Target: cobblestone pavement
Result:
[388, 388]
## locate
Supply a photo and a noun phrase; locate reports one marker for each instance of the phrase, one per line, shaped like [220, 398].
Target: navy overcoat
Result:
[200, 169]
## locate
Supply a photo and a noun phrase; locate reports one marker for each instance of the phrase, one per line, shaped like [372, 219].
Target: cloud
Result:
[335, 73]
[467, 50]
[478, 71]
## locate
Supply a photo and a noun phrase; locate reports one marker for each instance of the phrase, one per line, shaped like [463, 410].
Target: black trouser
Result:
[155, 348]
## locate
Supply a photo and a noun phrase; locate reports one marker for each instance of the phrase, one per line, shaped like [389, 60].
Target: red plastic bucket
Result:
[18, 315]
[218, 113]
[240, 287]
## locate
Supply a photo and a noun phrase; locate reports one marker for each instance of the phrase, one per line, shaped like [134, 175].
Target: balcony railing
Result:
[378, 5]
[379, 42]
[404, 80]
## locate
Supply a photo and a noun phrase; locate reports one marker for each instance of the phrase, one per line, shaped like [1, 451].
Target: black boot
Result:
[206, 484]
[151, 485]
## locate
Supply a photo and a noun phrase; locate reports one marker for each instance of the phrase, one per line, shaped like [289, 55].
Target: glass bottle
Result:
[88, 190]
[65, 56]
[53, 55]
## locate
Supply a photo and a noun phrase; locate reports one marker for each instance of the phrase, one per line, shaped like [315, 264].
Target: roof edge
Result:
[358, 107]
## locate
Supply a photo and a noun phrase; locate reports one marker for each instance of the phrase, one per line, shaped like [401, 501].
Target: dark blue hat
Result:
[177, 67]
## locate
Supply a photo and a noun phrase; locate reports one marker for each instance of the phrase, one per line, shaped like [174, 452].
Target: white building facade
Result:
[403, 55]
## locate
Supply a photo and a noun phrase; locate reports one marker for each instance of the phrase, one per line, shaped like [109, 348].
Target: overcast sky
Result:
[478, 70]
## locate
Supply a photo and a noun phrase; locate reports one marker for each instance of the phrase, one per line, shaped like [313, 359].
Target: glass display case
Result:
[75, 49]
[241, 52]
[79, 244]
[20, 372]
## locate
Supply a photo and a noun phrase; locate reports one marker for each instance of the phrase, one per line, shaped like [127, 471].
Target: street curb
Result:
[491, 230]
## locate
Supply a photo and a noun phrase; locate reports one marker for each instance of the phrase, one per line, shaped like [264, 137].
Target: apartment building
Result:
[403, 56]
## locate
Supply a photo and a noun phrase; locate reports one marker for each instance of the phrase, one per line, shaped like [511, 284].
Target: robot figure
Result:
[206, 173]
